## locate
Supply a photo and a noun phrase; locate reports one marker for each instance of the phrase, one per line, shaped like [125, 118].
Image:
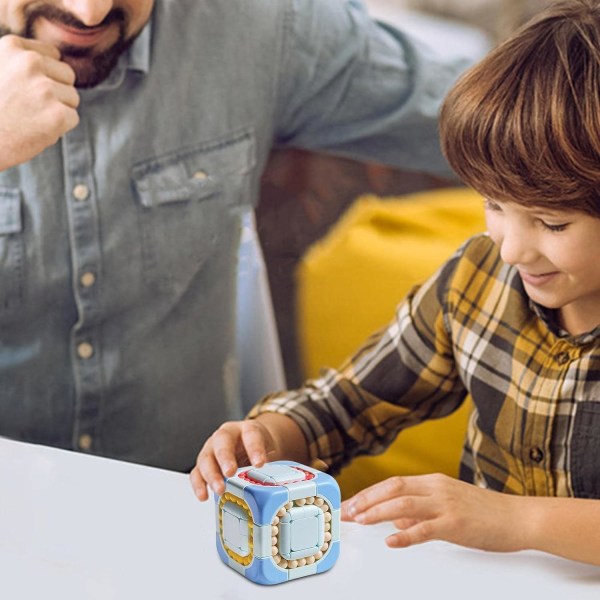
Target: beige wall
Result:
[498, 17]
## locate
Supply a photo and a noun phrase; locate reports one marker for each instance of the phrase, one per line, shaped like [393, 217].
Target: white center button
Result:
[85, 350]
[81, 192]
[88, 279]
[200, 175]
[85, 441]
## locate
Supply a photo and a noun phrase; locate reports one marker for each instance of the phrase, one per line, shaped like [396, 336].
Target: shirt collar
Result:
[550, 318]
[136, 58]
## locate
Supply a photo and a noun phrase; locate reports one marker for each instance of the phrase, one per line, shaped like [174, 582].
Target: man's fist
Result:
[38, 99]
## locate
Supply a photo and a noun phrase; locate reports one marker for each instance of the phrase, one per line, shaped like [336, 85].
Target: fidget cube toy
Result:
[278, 522]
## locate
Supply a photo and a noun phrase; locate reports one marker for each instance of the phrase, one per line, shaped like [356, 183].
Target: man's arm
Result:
[38, 100]
[361, 89]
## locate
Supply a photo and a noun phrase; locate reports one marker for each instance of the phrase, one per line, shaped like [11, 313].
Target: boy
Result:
[512, 319]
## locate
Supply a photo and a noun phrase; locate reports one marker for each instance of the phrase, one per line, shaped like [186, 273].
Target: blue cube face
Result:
[279, 522]
[302, 531]
[236, 530]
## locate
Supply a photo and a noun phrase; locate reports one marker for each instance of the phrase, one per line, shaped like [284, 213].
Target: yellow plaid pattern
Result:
[469, 330]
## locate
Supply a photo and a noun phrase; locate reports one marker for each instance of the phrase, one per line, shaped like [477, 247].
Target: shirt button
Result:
[536, 454]
[85, 350]
[81, 192]
[85, 441]
[88, 279]
[562, 358]
[200, 175]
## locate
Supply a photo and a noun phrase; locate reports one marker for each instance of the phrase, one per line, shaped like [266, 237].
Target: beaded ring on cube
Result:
[278, 522]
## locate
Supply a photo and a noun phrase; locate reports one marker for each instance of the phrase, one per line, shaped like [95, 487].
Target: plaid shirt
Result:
[469, 330]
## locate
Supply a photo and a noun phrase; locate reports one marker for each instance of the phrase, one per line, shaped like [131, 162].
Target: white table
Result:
[75, 527]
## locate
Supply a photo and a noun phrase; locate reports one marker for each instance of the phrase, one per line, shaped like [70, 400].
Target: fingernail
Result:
[350, 509]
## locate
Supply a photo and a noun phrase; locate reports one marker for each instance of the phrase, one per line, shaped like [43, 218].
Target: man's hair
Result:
[524, 123]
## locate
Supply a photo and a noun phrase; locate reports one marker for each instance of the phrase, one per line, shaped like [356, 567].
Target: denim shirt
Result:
[118, 245]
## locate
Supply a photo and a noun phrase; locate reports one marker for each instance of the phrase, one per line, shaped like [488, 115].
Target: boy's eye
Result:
[555, 228]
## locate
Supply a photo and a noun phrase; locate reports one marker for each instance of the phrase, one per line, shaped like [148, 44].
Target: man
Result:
[118, 242]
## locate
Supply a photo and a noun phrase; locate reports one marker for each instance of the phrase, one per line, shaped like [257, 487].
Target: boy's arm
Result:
[430, 507]
[567, 527]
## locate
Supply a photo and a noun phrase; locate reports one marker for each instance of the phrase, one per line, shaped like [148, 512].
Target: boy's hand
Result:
[233, 445]
[38, 100]
[437, 507]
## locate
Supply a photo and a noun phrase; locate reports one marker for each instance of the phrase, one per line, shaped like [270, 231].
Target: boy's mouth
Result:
[537, 279]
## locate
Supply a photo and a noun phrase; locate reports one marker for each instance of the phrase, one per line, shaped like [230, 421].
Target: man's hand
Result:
[38, 100]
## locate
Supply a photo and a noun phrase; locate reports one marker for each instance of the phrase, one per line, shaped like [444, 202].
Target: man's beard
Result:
[91, 67]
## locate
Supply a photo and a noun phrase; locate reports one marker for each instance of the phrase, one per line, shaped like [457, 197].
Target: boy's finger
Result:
[394, 487]
[209, 473]
[253, 438]
[198, 484]
[224, 443]
[405, 507]
[422, 531]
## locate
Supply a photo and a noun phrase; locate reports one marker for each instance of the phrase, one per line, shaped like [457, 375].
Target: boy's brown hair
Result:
[524, 123]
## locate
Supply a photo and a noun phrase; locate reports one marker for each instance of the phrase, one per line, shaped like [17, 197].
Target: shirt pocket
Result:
[186, 206]
[585, 451]
[12, 250]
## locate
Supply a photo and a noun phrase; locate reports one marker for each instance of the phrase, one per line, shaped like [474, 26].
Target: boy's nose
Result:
[89, 12]
[517, 247]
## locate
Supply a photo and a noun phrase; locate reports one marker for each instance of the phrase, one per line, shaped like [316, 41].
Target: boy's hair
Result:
[524, 124]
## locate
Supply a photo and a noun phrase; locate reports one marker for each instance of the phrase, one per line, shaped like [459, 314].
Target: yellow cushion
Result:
[349, 285]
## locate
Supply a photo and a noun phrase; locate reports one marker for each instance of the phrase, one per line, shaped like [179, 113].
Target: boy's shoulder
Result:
[480, 242]
[477, 277]
[481, 252]
[476, 261]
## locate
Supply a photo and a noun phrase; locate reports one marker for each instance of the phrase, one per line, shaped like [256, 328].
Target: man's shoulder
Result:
[208, 34]
[250, 14]
[213, 10]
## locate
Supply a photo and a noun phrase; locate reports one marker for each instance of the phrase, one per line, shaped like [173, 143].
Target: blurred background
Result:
[496, 18]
